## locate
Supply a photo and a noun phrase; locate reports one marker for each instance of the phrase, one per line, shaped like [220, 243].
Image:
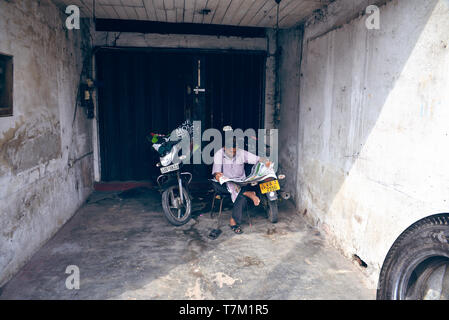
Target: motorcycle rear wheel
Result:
[273, 211]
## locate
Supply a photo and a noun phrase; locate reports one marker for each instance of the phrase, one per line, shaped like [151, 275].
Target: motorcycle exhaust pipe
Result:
[285, 195]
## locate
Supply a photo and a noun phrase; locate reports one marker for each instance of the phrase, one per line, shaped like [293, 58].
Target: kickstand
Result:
[215, 233]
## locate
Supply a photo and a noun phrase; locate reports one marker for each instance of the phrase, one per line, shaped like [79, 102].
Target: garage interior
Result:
[361, 115]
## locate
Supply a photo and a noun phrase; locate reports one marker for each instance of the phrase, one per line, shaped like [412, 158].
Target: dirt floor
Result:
[125, 249]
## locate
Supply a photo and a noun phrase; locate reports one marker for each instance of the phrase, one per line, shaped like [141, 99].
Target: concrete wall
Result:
[289, 77]
[39, 192]
[373, 125]
[270, 79]
[177, 41]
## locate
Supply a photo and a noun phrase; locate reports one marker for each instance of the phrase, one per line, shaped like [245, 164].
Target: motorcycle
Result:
[173, 182]
[174, 186]
[267, 192]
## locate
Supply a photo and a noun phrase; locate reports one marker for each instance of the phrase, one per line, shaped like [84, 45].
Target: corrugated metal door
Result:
[153, 91]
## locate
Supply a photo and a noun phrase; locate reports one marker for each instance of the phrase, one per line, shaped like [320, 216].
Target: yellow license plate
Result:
[269, 186]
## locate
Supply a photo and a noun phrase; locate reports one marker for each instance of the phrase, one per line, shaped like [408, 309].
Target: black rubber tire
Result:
[165, 206]
[417, 248]
[273, 211]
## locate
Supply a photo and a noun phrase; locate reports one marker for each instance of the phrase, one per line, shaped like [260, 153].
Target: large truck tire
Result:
[417, 265]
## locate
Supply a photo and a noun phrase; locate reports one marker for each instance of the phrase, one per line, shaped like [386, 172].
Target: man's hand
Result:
[266, 162]
[218, 175]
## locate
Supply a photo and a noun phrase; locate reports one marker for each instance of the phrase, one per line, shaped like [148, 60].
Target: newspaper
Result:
[258, 173]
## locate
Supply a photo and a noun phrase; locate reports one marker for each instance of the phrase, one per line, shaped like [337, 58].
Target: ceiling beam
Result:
[112, 25]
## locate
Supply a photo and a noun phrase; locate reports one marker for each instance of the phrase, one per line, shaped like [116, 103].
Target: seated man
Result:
[230, 163]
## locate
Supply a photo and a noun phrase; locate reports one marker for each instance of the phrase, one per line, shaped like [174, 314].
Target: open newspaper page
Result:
[258, 173]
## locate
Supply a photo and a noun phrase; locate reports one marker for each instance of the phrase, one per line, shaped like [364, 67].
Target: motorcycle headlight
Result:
[168, 159]
[165, 161]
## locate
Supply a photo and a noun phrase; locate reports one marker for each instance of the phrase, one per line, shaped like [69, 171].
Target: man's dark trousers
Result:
[239, 204]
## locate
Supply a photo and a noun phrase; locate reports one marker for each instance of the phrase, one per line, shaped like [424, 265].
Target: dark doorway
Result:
[156, 90]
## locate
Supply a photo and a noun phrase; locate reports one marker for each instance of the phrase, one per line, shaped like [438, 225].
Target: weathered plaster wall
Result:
[373, 124]
[39, 192]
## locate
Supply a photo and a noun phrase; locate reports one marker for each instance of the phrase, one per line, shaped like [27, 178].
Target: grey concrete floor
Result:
[125, 249]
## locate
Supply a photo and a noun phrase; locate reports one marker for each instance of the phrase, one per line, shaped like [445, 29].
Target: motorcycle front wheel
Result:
[176, 211]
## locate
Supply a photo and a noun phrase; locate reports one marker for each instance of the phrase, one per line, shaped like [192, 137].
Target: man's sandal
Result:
[237, 229]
